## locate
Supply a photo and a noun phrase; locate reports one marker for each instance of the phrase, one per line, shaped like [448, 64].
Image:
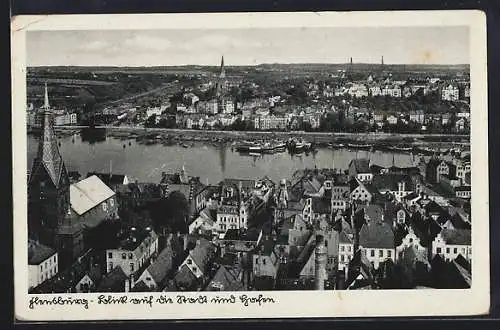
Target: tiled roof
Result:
[203, 252]
[390, 181]
[185, 278]
[162, 265]
[321, 205]
[373, 212]
[114, 281]
[37, 253]
[108, 178]
[88, 193]
[48, 155]
[377, 236]
[225, 279]
[362, 165]
[456, 236]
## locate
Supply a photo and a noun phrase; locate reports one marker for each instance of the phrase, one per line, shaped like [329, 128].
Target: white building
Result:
[346, 251]
[135, 249]
[42, 263]
[376, 241]
[449, 243]
[450, 93]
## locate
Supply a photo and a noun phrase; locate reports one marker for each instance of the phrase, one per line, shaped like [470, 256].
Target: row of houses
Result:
[447, 92]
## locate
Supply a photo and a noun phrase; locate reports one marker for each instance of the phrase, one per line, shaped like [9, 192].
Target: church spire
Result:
[222, 69]
[48, 153]
[46, 105]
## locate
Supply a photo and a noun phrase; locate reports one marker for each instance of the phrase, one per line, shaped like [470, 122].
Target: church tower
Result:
[48, 185]
[221, 87]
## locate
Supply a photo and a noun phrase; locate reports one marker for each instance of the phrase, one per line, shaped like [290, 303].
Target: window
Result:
[342, 248]
[348, 248]
[263, 261]
[438, 250]
[130, 255]
[131, 266]
[411, 240]
[380, 253]
[372, 253]
[111, 202]
[42, 277]
[256, 261]
[194, 269]
[110, 254]
[41, 267]
[342, 258]
[455, 250]
[463, 250]
[189, 261]
[110, 266]
[447, 250]
[104, 206]
[389, 253]
[124, 256]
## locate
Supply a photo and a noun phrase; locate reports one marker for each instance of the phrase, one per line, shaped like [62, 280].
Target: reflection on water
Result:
[209, 162]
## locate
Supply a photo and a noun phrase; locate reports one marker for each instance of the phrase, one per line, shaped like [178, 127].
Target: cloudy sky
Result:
[398, 45]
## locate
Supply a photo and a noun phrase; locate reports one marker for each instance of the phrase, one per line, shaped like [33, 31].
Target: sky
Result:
[398, 45]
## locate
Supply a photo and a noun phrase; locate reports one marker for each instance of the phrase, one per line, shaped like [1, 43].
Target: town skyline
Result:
[248, 47]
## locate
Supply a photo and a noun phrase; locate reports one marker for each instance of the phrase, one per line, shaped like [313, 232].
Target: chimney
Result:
[320, 263]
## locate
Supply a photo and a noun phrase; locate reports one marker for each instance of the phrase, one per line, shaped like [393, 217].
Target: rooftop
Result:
[88, 193]
[37, 253]
[378, 235]
[456, 236]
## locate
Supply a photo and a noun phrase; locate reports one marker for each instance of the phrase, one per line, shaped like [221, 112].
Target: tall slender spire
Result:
[222, 69]
[48, 152]
[46, 105]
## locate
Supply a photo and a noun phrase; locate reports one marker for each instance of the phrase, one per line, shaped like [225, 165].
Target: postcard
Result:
[250, 165]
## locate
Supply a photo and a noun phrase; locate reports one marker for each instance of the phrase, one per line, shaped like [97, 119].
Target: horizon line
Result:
[252, 65]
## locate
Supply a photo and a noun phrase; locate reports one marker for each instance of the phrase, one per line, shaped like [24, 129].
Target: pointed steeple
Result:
[222, 69]
[46, 105]
[48, 153]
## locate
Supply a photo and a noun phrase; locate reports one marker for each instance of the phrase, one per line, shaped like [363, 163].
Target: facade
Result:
[376, 241]
[133, 252]
[450, 243]
[346, 251]
[66, 119]
[360, 169]
[42, 263]
[271, 122]
[450, 93]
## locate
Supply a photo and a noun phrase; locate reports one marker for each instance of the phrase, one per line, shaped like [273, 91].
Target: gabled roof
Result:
[37, 253]
[109, 179]
[376, 235]
[88, 193]
[225, 279]
[361, 165]
[162, 265]
[185, 278]
[373, 212]
[456, 236]
[321, 205]
[390, 181]
[202, 253]
[114, 281]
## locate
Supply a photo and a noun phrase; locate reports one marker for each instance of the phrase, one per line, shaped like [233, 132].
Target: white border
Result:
[291, 304]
